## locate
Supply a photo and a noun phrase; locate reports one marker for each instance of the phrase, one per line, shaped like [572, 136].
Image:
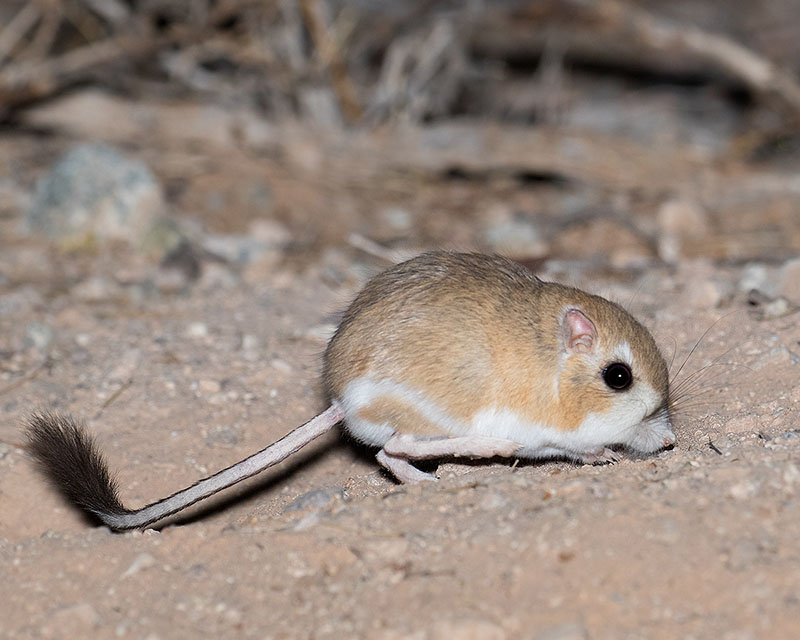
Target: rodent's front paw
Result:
[604, 456]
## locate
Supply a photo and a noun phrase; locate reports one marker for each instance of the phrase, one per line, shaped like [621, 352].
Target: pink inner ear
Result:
[579, 332]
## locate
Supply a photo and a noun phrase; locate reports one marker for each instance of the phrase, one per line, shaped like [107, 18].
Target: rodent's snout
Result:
[669, 440]
[653, 433]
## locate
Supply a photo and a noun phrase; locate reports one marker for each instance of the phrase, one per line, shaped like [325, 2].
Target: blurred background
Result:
[618, 134]
[191, 190]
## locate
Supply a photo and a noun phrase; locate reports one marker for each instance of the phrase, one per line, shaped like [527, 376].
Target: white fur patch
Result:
[622, 425]
[623, 353]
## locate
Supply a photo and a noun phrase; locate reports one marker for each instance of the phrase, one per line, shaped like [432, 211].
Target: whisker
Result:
[672, 357]
[694, 393]
[694, 413]
[694, 409]
[687, 401]
[680, 407]
[693, 389]
[688, 405]
[698, 376]
[700, 339]
[694, 379]
[635, 293]
[697, 393]
[714, 362]
[702, 375]
[695, 402]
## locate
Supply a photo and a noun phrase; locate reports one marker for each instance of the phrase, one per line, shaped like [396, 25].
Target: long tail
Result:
[72, 461]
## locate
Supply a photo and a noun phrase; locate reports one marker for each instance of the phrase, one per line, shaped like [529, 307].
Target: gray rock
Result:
[759, 277]
[777, 308]
[516, 235]
[236, 249]
[22, 300]
[318, 498]
[396, 218]
[39, 336]
[94, 190]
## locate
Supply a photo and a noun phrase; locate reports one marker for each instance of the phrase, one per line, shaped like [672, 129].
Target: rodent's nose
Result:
[669, 440]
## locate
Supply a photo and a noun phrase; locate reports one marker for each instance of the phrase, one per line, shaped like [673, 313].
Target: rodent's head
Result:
[612, 377]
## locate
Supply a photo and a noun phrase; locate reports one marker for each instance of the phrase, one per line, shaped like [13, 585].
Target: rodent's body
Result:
[446, 354]
[470, 345]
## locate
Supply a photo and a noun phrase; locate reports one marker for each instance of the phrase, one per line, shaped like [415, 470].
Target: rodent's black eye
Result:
[618, 376]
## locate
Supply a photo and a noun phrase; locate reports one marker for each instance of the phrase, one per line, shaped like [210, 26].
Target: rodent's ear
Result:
[578, 332]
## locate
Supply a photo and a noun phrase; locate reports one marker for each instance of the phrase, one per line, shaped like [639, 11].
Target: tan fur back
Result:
[472, 331]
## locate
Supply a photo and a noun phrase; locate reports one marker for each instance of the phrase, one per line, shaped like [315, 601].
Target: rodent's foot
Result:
[604, 456]
[402, 469]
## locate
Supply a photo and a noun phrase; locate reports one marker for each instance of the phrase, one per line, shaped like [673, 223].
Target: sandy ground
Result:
[696, 542]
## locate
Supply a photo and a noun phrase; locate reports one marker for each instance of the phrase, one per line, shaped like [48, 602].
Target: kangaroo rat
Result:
[446, 354]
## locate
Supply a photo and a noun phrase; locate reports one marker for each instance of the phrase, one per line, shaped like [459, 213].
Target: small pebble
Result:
[250, 342]
[142, 561]
[318, 498]
[209, 386]
[236, 249]
[197, 330]
[776, 308]
[396, 218]
[743, 490]
[38, 336]
[516, 235]
[22, 300]
[758, 277]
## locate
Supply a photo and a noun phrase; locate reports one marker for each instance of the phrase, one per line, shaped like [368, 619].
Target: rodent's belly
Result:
[374, 410]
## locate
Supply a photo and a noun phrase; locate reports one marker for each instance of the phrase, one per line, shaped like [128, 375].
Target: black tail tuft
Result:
[71, 460]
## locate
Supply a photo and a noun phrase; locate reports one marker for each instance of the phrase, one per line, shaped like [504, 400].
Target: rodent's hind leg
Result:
[402, 469]
[415, 448]
[401, 448]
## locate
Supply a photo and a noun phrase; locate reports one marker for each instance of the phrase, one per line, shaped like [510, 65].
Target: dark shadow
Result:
[284, 471]
[280, 474]
[523, 176]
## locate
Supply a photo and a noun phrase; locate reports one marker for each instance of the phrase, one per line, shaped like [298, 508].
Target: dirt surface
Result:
[699, 541]
[187, 330]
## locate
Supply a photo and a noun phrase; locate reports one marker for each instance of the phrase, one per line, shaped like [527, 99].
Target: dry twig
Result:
[421, 74]
[16, 29]
[756, 72]
[332, 58]
[614, 30]
[114, 11]
[24, 82]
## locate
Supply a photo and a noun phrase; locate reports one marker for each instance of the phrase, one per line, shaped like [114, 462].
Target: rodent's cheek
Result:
[580, 394]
